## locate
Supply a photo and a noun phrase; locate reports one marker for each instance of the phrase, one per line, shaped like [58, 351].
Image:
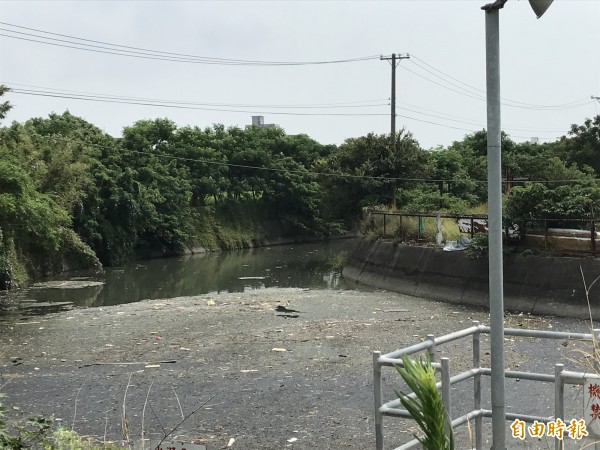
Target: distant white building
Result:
[259, 121]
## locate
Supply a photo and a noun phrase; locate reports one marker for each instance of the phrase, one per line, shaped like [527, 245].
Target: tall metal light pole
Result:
[494, 160]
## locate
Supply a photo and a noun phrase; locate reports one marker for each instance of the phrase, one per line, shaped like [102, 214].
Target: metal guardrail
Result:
[535, 228]
[393, 408]
[399, 214]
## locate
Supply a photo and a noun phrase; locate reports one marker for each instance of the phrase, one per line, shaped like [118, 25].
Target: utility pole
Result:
[394, 64]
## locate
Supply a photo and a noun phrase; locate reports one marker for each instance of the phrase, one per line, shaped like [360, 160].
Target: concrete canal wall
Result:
[532, 284]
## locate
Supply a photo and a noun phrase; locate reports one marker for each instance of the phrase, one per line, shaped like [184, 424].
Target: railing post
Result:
[559, 405]
[401, 230]
[431, 350]
[378, 401]
[477, 387]
[472, 228]
[593, 228]
[446, 398]
[596, 364]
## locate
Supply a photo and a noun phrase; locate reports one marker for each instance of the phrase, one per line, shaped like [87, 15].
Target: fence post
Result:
[472, 228]
[477, 387]
[559, 405]
[431, 350]
[446, 398]
[595, 355]
[401, 230]
[378, 401]
[593, 232]
[546, 234]
[384, 216]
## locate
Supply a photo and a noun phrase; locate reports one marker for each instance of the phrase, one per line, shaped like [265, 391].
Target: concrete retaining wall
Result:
[532, 284]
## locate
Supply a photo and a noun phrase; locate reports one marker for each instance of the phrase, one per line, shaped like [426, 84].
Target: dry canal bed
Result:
[270, 368]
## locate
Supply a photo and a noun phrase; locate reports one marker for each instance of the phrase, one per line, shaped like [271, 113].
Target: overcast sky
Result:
[552, 62]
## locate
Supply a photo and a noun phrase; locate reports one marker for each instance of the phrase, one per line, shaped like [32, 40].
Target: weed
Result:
[479, 247]
[34, 432]
[338, 262]
[427, 409]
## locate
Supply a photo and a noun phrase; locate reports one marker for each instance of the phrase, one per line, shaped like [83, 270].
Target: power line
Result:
[470, 122]
[480, 97]
[91, 45]
[83, 95]
[175, 106]
[351, 104]
[446, 116]
[55, 138]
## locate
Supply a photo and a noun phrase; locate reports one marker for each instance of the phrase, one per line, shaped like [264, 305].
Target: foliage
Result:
[339, 261]
[479, 247]
[63, 439]
[426, 199]
[427, 408]
[541, 201]
[72, 195]
[366, 167]
[32, 433]
[39, 432]
[582, 147]
[5, 106]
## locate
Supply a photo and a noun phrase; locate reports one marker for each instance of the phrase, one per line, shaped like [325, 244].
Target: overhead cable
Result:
[178, 106]
[480, 94]
[44, 37]
[85, 94]
[55, 138]
[104, 99]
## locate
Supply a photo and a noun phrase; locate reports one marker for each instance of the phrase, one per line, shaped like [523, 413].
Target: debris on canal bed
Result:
[67, 284]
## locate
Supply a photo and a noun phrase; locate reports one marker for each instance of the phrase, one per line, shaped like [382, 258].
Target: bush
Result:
[39, 432]
[479, 247]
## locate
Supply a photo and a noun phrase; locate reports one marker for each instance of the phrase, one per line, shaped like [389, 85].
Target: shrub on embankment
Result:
[72, 196]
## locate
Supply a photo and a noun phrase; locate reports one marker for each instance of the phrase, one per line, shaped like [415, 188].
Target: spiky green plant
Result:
[427, 409]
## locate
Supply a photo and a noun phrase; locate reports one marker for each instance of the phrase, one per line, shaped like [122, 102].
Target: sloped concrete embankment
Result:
[532, 284]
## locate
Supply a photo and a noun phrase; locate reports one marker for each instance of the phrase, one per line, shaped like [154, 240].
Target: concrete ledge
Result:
[532, 284]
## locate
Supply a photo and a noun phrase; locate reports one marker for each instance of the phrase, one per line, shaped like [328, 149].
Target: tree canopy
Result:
[70, 192]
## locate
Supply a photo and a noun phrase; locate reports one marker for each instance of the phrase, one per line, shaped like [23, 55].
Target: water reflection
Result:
[299, 266]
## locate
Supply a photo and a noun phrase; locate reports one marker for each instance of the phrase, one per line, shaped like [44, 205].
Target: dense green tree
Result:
[160, 205]
[4, 106]
[582, 146]
[368, 169]
[159, 188]
[538, 201]
[208, 170]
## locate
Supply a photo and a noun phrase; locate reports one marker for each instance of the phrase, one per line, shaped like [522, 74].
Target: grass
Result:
[63, 439]
[338, 262]
[407, 228]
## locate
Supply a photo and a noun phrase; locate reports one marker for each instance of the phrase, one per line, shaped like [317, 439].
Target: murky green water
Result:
[300, 266]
